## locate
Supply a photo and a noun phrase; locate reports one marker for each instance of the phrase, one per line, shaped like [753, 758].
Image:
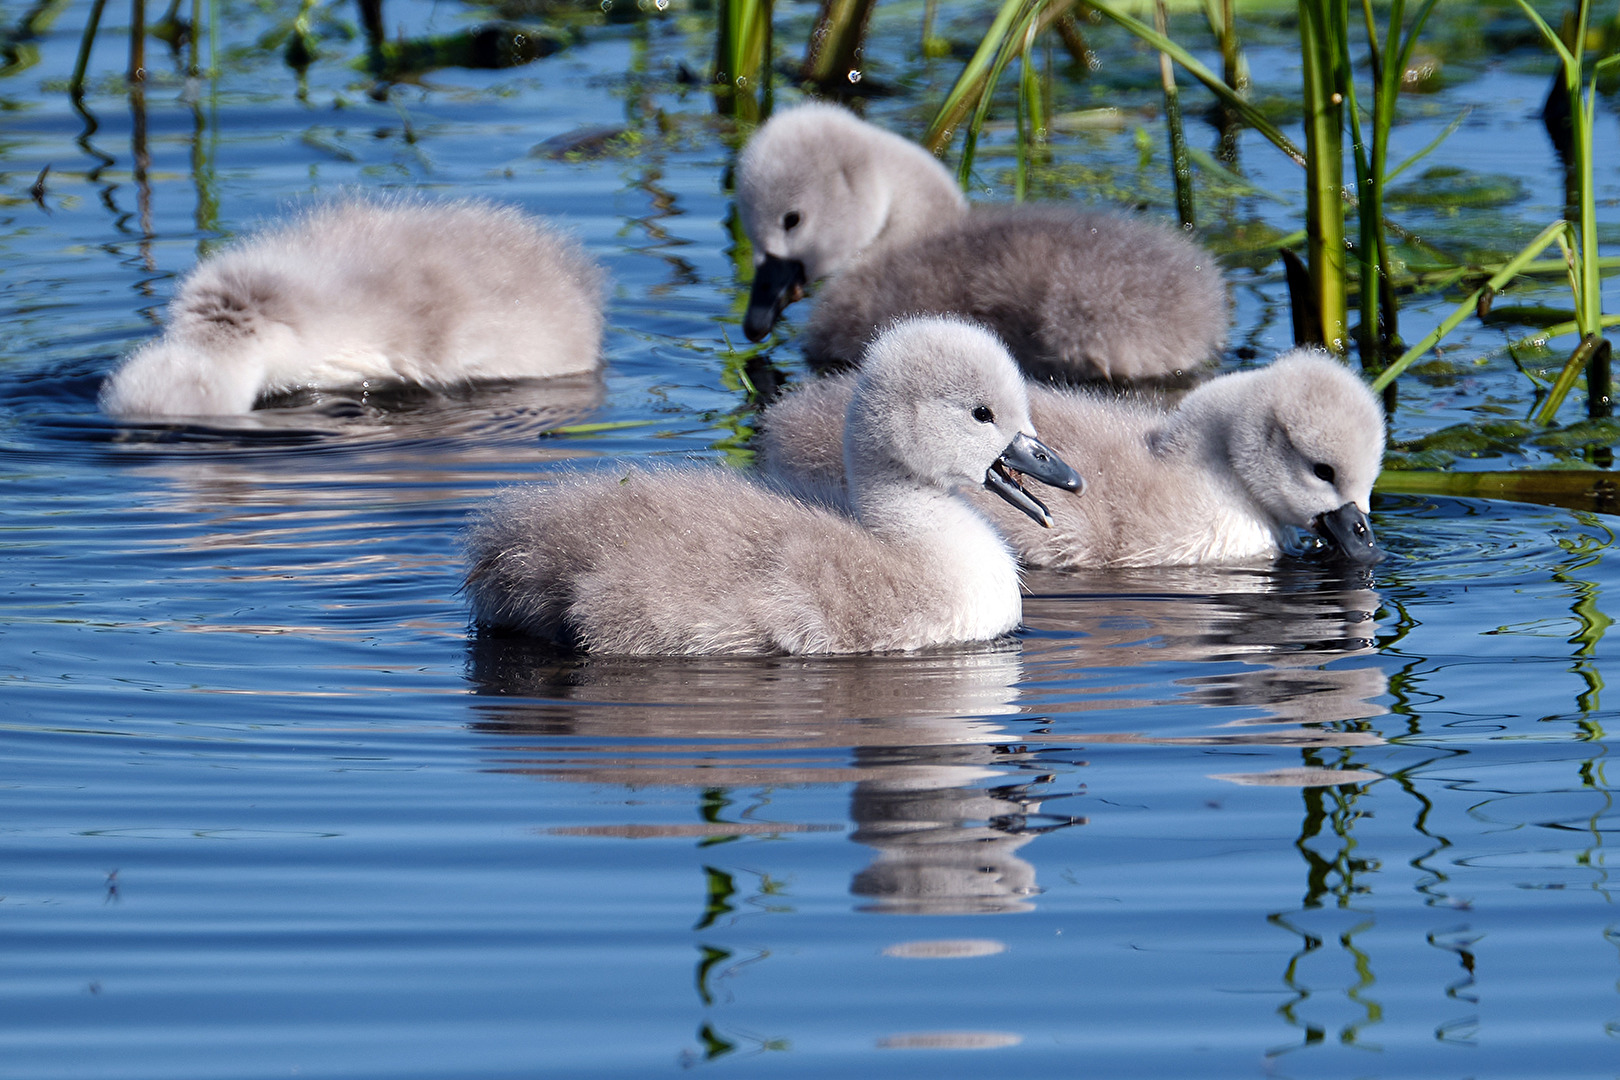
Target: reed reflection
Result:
[1291, 651]
[954, 756]
[956, 761]
[1287, 651]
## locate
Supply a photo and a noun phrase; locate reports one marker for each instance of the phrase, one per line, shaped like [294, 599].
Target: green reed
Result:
[1180, 163]
[742, 58]
[1333, 270]
[833, 58]
[1578, 242]
[86, 43]
[1322, 33]
[1388, 65]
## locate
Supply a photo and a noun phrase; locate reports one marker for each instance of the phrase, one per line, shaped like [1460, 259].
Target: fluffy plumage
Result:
[1225, 477]
[1077, 295]
[705, 561]
[436, 294]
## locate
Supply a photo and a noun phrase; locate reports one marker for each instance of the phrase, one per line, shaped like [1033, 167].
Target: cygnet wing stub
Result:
[1028, 455]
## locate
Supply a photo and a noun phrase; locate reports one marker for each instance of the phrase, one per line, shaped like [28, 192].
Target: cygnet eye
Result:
[1323, 471]
[983, 415]
[790, 220]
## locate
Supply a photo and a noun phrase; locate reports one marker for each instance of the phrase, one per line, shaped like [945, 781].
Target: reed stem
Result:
[137, 41]
[1559, 232]
[76, 83]
[1320, 29]
[1180, 165]
[833, 58]
[742, 57]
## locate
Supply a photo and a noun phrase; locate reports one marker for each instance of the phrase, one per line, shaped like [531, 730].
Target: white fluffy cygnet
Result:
[362, 292]
[697, 561]
[1229, 475]
[1076, 295]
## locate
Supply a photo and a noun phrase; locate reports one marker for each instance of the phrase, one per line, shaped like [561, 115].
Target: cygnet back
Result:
[1229, 475]
[1076, 295]
[358, 291]
[706, 561]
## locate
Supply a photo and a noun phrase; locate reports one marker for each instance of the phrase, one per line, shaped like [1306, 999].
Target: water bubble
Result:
[854, 76]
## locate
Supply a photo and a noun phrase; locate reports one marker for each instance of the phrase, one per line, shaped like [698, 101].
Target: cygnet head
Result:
[181, 376]
[1307, 439]
[816, 186]
[940, 403]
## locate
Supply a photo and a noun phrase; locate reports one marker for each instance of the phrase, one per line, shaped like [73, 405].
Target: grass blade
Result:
[1558, 231]
[1251, 116]
[969, 87]
[1433, 143]
[1575, 489]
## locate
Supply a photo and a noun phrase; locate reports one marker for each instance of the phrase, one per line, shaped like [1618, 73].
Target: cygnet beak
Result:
[777, 283]
[1033, 458]
[1350, 534]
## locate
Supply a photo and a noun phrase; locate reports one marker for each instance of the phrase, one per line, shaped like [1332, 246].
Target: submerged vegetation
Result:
[1019, 67]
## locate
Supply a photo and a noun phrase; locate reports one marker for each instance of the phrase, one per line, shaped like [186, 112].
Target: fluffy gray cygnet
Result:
[699, 561]
[1076, 295]
[1227, 476]
[362, 292]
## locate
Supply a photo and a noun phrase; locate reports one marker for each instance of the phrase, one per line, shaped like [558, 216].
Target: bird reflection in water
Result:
[918, 736]
[957, 759]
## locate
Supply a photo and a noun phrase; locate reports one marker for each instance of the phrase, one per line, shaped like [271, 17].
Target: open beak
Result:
[1350, 535]
[777, 283]
[1028, 455]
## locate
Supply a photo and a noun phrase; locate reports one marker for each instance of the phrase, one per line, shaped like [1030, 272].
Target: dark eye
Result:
[983, 415]
[1323, 471]
[790, 220]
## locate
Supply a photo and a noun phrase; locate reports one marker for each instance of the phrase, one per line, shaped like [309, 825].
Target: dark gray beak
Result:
[1349, 534]
[1028, 455]
[777, 283]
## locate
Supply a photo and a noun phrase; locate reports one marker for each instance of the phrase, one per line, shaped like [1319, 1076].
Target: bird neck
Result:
[1217, 432]
[922, 195]
[951, 545]
[1202, 428]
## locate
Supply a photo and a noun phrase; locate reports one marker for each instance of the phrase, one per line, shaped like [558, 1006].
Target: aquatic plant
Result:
[1334, 272]
[742, 58]
[832, 59]
[1578, 243]
[1008, 36]
[1180, 163]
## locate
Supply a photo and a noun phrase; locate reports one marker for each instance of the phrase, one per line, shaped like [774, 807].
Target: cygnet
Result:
[1076, 295]
[363, 292]
[699, 561]
[1230, 475]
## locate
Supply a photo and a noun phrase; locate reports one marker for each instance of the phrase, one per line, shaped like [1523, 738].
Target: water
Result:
[271, 810]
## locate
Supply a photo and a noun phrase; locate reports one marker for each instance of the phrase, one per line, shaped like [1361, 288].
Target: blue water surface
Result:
[269, 808]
